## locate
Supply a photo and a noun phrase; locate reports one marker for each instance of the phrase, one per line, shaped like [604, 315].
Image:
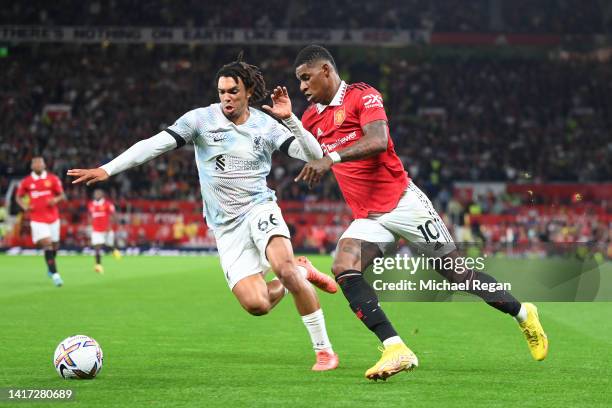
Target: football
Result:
[78, 357]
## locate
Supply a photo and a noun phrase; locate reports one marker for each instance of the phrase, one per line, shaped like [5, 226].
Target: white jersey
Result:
[233, 160]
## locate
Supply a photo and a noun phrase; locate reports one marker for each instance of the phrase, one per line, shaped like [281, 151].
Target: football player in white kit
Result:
[233, 145]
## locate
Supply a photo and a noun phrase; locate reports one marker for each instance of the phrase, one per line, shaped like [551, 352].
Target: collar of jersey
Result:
[43, 175]
[100, 201]
[338, 98]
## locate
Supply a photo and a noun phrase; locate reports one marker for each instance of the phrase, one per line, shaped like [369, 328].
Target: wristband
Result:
[335, 156]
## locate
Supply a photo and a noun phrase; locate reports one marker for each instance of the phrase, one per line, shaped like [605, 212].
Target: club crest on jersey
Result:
[257, 143]
[47, 183]
[339, 117]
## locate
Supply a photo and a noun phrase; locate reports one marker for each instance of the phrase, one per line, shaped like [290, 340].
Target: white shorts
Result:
[413, 219]
[103, 238]
[42, 230]
[242, 245]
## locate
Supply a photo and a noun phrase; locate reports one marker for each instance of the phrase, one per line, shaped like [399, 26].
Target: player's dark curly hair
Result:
[251, 77]
[312, 53]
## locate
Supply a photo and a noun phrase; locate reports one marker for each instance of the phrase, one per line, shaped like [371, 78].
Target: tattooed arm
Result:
[374, 141]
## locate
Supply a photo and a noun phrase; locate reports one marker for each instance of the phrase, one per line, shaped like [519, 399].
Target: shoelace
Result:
[323, 358]
[532, 336]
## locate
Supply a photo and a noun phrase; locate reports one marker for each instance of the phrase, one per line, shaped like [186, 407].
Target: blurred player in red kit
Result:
[102, 215]
[350, 124]
[44, 191]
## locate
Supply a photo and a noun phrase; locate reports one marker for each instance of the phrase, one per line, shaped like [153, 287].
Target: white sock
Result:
[392, 340]
[302, 270]
[522, 315]
[315, 323]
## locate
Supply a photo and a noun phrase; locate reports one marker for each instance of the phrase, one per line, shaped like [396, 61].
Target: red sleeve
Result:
[21, 190]
[57, 185]
[370, 106]
[90, 207]
[111, 208]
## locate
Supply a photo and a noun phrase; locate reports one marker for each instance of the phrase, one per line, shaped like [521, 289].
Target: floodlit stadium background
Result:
[500, 111]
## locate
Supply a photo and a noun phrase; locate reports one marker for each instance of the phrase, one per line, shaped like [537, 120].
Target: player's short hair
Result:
[313, 53]
[250, 74]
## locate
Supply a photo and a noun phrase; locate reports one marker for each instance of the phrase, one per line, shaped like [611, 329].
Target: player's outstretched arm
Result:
[139, 153]
[88, 176]
[303, 146]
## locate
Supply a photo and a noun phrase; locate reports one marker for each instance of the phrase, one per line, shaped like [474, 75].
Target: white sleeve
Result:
[141, 152]
[184, 129]
[305, 147]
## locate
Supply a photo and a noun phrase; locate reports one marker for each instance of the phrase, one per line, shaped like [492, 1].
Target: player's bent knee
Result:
[289, 276]
[257, 308]
[284, 269]
[339, 267]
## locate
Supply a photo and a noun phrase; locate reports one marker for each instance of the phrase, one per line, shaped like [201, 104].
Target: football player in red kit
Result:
[44, 191]
[350, 123]
[101, 214]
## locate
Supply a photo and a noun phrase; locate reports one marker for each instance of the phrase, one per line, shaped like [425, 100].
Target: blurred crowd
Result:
[470, 119]
[502, 120]
[451, 118]
[525, 16]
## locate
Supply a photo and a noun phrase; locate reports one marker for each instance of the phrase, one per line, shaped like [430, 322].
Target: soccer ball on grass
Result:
[78, 357]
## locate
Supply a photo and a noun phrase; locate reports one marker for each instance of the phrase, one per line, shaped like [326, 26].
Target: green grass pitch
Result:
[173, 335]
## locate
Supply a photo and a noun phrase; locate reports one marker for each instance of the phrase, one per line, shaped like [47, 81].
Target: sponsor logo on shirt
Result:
[38, 194]
[230, 163]
[235, 163]
[343, 140]
[220, 163]
[372, 101]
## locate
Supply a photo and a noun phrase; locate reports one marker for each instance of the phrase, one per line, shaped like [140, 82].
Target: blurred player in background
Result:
[350, 123]
[102, 217]
[233, 149]
[44, 191]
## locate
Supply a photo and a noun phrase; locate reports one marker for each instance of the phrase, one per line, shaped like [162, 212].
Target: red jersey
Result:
[100, 212]
[370, 185]
[41, 189]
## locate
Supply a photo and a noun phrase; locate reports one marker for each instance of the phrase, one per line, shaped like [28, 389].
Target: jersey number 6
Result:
[263, 224]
